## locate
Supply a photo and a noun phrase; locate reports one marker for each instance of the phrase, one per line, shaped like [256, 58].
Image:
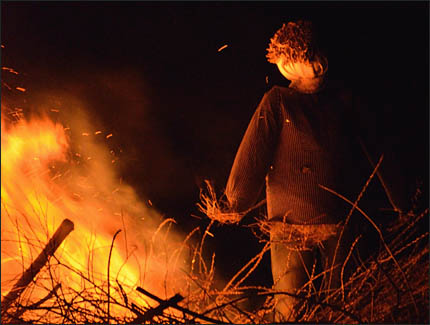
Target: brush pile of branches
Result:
[388, 284]
[97, 301]
[391, 285]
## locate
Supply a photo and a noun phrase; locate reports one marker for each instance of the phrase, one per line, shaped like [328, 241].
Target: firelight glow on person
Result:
[297, 140]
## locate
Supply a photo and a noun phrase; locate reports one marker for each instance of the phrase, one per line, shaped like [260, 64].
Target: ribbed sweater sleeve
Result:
[255, 154]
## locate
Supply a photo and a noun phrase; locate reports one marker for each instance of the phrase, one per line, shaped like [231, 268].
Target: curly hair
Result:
[294, 41]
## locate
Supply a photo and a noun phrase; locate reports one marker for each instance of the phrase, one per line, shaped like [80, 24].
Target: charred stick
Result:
[62, 232]
[157, 311]
[108, 273]
[184, 310]
[137, 310]
[124, 295]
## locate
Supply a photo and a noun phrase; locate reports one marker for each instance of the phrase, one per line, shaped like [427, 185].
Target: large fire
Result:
[46, 178]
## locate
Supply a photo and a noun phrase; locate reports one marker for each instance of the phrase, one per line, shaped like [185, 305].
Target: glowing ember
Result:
[222, 47]
[9, 70]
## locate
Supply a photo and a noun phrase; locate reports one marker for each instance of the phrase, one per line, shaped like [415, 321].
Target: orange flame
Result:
[42, 183]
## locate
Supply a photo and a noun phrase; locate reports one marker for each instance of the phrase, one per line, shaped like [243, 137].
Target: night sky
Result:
[151, 73]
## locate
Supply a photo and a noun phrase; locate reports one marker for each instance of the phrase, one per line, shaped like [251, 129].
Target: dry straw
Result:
[375, 292]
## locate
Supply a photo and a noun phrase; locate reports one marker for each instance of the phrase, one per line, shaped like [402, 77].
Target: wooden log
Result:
[62, 232]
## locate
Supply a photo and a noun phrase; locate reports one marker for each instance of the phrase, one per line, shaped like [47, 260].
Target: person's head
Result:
[294, 50]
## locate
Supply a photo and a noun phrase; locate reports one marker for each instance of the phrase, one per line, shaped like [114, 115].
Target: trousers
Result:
[305, 270]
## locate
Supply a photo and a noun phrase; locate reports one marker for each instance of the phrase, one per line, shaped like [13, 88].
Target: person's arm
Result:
[255, 154]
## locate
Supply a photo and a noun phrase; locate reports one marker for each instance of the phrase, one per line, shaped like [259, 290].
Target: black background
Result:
[151, 73]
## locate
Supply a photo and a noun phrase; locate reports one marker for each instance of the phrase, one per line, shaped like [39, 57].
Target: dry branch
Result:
[151, 313]
[174, 305]
[62, 232]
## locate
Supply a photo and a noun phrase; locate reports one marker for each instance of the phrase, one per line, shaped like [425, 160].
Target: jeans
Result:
[293, 268]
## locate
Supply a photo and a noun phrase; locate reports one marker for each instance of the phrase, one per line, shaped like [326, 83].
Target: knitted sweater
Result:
[293, 143]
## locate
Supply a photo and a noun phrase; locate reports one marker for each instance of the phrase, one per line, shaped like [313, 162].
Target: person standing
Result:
[297, 142]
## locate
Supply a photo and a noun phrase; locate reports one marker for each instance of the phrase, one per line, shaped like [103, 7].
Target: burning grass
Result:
[380, 289]
[118, 243]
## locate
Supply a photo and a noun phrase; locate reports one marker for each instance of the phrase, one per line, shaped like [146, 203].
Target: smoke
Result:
[119, 101]
[69, 166]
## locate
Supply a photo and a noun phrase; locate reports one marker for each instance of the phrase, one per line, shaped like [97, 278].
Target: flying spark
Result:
[222, 48]
[9, 70]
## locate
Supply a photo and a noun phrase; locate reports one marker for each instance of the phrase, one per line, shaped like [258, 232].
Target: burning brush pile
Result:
[79, 246]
